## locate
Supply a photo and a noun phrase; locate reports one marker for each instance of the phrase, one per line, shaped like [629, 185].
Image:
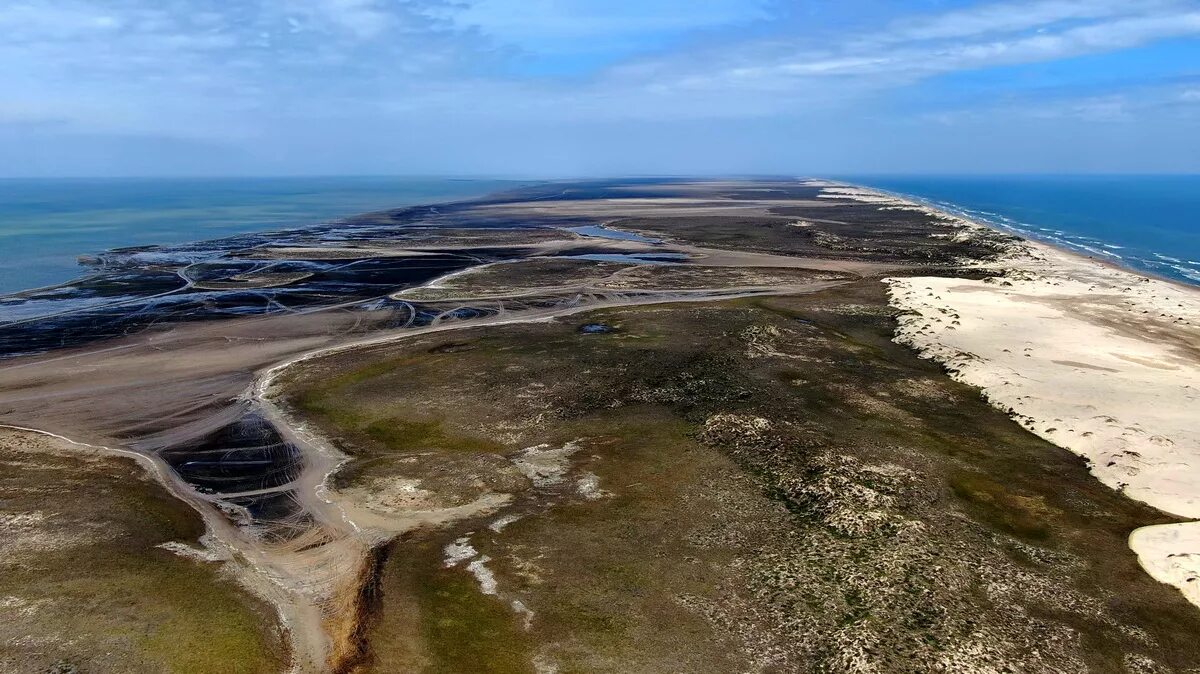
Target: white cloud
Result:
[215, 69]
[360, 19]
[1123, 106]
[531, 23]
[995, 35]
[23, 21]
[1007, 17]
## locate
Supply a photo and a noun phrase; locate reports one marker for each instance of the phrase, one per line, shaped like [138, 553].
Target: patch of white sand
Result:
[500, 523]
[588, 486]
[545, 465]
[484, 575]
[459, 551]
[198, 554]
[860, 195]
[522, 610]
[397, 494]
[1171, 554]
[1089, 357]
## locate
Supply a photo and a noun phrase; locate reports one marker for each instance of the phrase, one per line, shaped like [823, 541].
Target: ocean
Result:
[1147, 223]
[46, 223]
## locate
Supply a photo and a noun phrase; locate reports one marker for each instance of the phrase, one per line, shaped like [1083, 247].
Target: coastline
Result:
[46, 240]
[1141, 261]
[1095, 357]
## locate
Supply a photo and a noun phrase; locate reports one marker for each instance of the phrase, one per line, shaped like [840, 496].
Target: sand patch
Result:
[545, 465]
[190, 552]
[500, 523]
[1171, 554]
[459, 551]
[1039, 347]
[588, 486]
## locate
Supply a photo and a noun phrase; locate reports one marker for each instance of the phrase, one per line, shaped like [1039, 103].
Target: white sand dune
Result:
[1171, 553]
[1096, 359]
[1092, 358]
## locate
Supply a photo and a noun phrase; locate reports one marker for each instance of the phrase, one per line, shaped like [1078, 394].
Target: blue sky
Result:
[585, 87]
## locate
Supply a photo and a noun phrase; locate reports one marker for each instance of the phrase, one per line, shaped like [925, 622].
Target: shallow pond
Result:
[633, 258]
[600, 231]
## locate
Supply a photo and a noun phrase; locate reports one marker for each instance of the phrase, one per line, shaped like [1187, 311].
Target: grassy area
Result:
[992, 502]
[600, 604]
[435, 620]
[86, 587]
[467, 631]
[785, 489]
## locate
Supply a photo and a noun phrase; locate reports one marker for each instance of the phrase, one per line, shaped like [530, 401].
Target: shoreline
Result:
[86, 272]
[281, 225]
[1090, 355]
[959, 212]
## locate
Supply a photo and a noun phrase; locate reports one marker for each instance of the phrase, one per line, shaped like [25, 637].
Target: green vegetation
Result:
[436, 621]
[467, 631]
[1021, 516]
[399, 434]
[102, 597]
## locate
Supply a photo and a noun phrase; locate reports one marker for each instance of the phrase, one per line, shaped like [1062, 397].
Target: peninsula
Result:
[607, 426]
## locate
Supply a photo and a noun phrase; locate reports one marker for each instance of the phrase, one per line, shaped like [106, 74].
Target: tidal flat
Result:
[637, 425]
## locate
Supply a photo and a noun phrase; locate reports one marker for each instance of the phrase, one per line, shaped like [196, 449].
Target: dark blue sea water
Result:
[45, 224]
[1148, 223]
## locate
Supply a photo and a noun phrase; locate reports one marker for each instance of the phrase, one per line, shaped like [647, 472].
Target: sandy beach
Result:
[1102, 361]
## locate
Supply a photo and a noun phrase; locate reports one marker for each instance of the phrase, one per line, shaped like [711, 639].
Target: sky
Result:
[545, 88]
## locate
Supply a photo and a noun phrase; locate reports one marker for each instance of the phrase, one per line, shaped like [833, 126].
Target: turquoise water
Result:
[46, 224]
[1147, 223]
